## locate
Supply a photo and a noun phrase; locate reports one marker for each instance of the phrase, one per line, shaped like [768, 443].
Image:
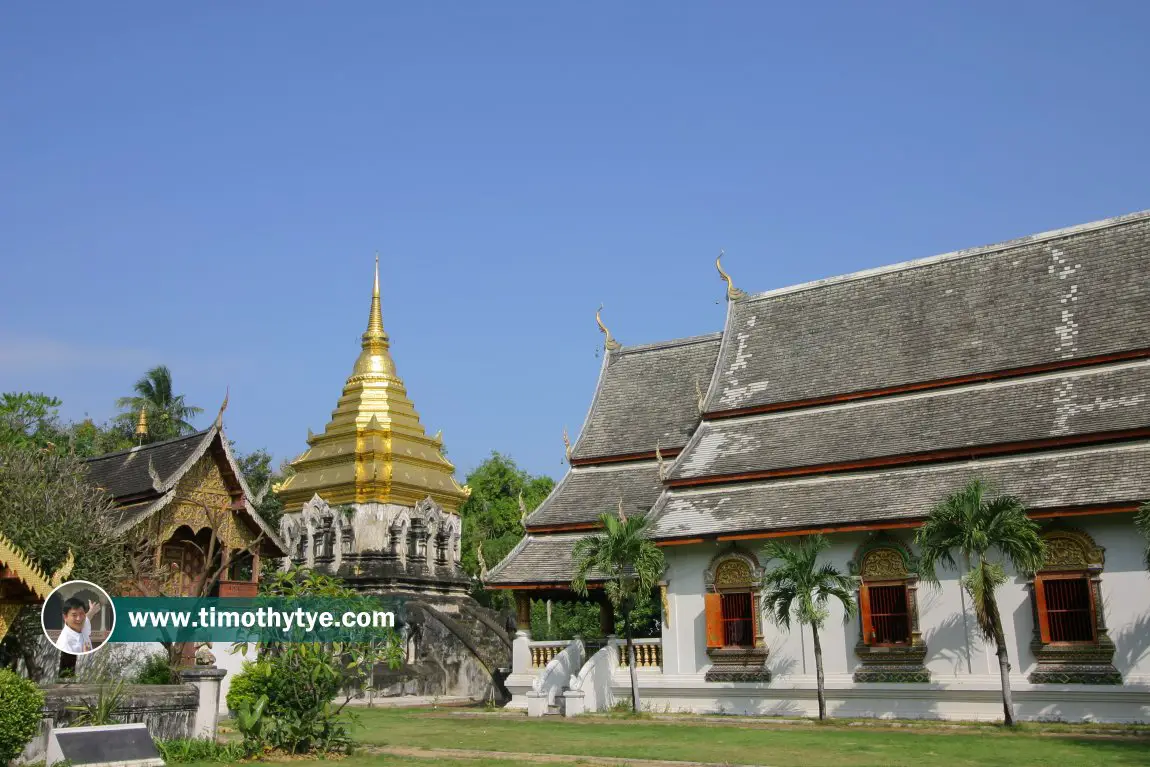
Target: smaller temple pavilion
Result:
[187, 501]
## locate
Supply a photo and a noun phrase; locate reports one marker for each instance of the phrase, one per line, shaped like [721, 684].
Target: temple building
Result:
[374, 501]
[849, 407]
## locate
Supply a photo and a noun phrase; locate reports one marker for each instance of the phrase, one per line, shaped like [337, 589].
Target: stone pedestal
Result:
[206, 680]
[536, 703]
[573, 703]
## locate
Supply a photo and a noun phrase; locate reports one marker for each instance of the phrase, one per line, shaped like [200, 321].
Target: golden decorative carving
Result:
[883, 565]
[610, 343]
[733, 293]
[202, 500]
[1071, 550]
[8, 613]
[666, 605]
[733, 573]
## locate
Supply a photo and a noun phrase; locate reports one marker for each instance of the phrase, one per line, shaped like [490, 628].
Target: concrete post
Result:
[573, 703]
[521, 653]
[206, 679]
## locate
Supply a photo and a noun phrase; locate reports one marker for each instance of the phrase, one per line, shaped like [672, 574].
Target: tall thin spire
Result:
[375, 318]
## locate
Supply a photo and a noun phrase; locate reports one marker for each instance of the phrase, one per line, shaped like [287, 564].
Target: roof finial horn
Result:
[733, 293]
[610, 343]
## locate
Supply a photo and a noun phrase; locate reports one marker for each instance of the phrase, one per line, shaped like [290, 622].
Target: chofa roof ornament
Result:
[610, 343]
[733, 293]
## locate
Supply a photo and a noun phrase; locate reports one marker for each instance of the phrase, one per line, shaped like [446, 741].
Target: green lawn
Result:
[782, 745]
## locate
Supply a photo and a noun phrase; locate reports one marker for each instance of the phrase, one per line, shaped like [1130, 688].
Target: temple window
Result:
[734, 638]
[890, 646]
[1070, 641]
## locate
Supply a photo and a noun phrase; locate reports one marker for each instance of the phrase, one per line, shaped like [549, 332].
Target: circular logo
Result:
[78, 617]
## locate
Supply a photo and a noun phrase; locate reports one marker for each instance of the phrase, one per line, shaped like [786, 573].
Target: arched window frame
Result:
[732, 572]
[1071, 554]
[884, 561]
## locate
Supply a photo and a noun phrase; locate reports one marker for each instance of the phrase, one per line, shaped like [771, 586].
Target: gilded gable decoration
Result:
[731, 569]
[1071, 549]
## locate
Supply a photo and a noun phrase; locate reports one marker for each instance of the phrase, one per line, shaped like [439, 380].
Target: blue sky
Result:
[204, 185]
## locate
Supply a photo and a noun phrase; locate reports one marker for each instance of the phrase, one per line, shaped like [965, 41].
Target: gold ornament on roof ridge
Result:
[733, 293]
[610, 343]
[566, 444]
[142, 423]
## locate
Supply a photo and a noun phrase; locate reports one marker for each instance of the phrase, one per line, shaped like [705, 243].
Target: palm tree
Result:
[799, 587]
[1142, 521]
[973, 522]
[168, 415]
[630, 564]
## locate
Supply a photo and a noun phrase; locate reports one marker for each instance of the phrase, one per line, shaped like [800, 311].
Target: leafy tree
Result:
[1142, 521]
[260, 477]
[491, 516]
[168, 414]
[30, 420]
[48, 509]
[974, 523]
[20, 703]
[87, 439]
[798, 587]
[630, 564]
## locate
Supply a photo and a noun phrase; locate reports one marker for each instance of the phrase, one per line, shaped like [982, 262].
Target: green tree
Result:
[491, 516]
[974, 523]
[261, 478]
[30, 420]
[799, 587]
[629, 563]
[1142, 521]
[48, 509]
[168, 414]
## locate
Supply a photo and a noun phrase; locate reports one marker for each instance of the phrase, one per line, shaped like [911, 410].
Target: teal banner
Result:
[256, 619]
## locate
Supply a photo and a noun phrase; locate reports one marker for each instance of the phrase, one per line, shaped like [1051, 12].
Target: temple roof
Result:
[374, 449]
[142, 480]
[539, 559]
[1097, 476]
[1067, 294]
[647, 396]
[1050, 407]
[586, 492]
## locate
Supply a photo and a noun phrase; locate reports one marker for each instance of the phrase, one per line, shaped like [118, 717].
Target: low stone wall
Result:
[169, 710]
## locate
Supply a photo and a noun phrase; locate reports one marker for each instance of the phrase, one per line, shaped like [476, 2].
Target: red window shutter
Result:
[714, 611]
[864, 612]
[1043, 619]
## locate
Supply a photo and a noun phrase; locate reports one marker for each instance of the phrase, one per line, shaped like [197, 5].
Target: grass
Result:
[834, 744]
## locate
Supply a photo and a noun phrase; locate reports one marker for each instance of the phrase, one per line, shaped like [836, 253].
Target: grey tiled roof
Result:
[1091, 476]
[538, 559]
[1047, 298]
[124, 474]
[1112, 398]
[648, 395]
[586, 492]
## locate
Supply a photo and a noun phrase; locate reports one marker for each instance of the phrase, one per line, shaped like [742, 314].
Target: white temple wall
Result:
[964, 670]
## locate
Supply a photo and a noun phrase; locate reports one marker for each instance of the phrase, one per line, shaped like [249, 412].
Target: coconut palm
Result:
[974, 523]
[798, 587]
[630, 565]
[1142, 521]
[167, 413]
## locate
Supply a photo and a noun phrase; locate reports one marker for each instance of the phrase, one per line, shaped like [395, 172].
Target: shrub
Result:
[20, 704]
[156, 670]
[243, 687]
[184, 750]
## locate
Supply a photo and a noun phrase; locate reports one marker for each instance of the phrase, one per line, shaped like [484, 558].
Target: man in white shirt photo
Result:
[76, 636]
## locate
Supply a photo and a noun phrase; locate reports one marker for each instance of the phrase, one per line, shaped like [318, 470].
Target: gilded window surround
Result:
[1071, 550]
[737, 570]
[884, 558]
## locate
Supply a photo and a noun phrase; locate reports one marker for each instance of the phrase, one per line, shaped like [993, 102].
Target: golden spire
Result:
[142, 425]
[374, 360]
[374, 449]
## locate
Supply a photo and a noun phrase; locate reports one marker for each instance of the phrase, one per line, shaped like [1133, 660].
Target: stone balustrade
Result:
[648, 653]
[542, 653]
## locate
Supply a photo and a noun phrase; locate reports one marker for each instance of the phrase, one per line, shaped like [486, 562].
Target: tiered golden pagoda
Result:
[374, 449]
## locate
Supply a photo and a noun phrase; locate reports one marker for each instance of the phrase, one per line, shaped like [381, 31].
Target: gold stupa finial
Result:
[733, 293]
[375, 360]
[142, 425]
[610, 343]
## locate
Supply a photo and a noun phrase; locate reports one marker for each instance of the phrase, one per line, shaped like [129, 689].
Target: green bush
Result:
[20, 705]
[156, 670]
[242, 688]
[184, 750]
